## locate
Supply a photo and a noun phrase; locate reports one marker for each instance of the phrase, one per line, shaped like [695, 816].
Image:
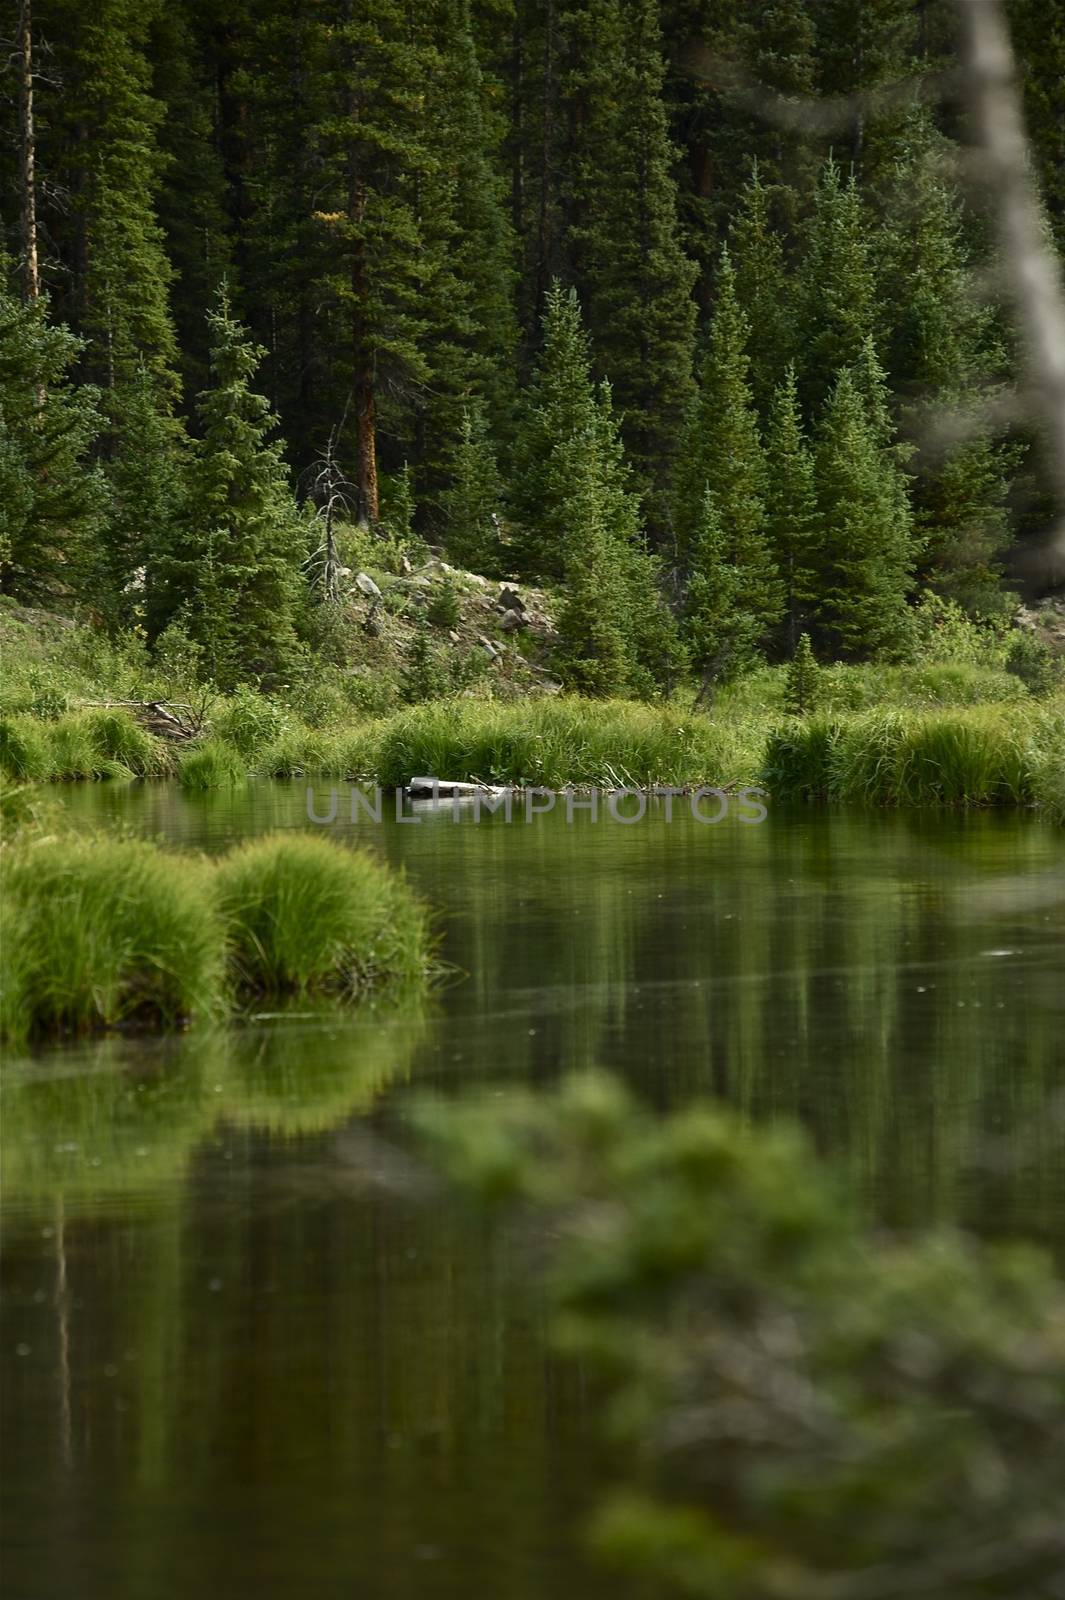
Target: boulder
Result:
[509, 599]
[365, 583]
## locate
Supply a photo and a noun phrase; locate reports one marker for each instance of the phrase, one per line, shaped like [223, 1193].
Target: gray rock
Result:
[511, 620]
[487, 646]
[364, 582]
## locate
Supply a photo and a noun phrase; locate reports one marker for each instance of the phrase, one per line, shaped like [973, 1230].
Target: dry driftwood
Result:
[167, 719]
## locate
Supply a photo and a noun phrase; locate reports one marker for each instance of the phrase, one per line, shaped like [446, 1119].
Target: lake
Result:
[251, 1348]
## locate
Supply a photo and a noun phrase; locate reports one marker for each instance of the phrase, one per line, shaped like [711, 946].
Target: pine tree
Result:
[232, 574]
[771, 42]
[654, 651]
[592, 653]
[145, 476]
[621, 234]
[474, 500]
[472, 333]
[102, 149]
[558, 415]
[722, 452]
[801, 685]
[866, 548]
[944, 354]
[837, 294]
[190, 197]
[862, 45]
[791, 506]
[53, 500]
[378, 258]
[1039, 40]
[763, 288]
[722, 621]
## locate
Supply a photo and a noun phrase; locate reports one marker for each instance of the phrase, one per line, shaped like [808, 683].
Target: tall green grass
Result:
[212, 765]
[25, 752]
[303, 914]
[117, 736]
[979, 757]
[98, 933]
[555, 742]
[104, 743]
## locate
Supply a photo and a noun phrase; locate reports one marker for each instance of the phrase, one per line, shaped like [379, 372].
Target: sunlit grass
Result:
[213, 765]
[301, 913]
[102, 932]
[985, 756]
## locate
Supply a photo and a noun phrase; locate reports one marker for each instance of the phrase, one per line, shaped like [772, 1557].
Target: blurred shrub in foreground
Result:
[807, 1409]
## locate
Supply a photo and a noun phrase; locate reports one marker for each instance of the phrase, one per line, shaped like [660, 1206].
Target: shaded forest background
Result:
[656, 298]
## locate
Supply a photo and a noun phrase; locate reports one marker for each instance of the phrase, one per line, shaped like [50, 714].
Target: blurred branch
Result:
[833, 114]
[1032, 272]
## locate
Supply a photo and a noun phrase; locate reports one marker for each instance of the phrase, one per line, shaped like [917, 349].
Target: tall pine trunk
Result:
[31, 272]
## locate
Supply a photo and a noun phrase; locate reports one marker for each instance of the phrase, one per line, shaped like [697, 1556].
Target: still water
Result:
[249, 1349]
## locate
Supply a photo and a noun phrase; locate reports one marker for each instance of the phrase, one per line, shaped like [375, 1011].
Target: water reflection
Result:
[248, 1349]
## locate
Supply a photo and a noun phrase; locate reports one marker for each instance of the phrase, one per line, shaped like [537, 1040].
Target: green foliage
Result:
[212, 765]
[787, 1395]
[556, 742]
[106, 932]
[558, 416]
[231, 578]
[101, 934]
[248, 721]
[145, 475]
[622, 242]
[302, 913]
[837, 297]
[442, 609]
[52, 498]
[117, 737]
[721, 622]
[792, 530]
[865, 561]
[424, 675]
[391, 190]
[474, 498]
[764, 289]
[940, 631]
[801, 690]
[24, 749]
[980, 757]
[1031, 659]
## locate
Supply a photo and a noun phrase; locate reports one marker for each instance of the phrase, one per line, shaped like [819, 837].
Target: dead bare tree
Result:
[334, 497]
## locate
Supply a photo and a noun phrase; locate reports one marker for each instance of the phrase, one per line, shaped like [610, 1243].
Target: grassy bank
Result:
[990, 756]
[952, 726]
[1006, 753]
[110, 933]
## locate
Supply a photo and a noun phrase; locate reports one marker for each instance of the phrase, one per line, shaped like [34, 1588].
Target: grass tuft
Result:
[555, 742]
[24, 749]
[116, 736]
[98, 933]
[302, 913]
[213, 765]
[912, 758]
